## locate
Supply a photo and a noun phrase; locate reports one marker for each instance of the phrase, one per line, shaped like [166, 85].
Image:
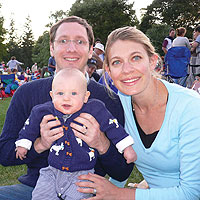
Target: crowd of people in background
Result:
[21, 73]
[176, 38]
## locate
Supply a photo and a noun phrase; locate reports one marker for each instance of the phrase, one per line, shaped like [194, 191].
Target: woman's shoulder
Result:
[181, 94]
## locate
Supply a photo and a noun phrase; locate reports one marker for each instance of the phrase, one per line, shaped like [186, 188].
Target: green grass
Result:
[3, 109]
[9, 175]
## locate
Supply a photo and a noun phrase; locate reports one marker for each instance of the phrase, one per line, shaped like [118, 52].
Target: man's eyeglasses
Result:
[77, 43]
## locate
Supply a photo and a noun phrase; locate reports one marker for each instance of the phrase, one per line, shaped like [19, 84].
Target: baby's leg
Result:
[66, 185]
[45, 188]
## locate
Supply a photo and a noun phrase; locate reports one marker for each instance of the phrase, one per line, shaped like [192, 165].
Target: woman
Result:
[181, 40]
[196, 43]
[195, 49]
[162, 118]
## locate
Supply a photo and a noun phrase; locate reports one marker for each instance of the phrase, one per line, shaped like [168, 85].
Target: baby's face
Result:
[69, 96]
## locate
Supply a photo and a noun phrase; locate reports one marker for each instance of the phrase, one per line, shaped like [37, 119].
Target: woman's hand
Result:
[48, 135]
[104, 189]
[90, 132]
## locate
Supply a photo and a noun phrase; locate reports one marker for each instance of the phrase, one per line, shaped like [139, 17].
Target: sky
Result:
[40, 10]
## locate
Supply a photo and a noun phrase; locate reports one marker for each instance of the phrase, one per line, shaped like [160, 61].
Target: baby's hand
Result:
[129, 154]
[21, 152]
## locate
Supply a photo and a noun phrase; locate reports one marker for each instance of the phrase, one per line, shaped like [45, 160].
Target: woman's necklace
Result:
[155, 99]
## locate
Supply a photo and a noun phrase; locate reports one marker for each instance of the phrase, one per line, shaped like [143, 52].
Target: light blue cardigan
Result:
[171, 166]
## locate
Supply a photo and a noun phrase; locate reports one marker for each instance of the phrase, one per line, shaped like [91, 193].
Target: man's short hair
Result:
[92, 62]
[76, 19]
[197, 29]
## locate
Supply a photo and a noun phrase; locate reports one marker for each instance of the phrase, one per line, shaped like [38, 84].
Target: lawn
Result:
[9, 175]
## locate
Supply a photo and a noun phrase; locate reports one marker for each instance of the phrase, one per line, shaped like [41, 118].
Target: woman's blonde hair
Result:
[131, 34]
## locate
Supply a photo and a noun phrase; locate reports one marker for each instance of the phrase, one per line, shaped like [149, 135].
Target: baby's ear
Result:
[86, 97]
[51, 94]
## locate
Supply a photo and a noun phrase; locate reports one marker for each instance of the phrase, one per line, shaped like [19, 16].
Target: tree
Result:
[27, 43]
[12, 45]
[105, 15]
[41, 52]
[157, 33]
[57, 16]
[2, 38]
[174, 13]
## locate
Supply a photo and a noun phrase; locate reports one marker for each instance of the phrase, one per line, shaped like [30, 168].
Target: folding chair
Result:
[1, 90]
[6, 80]
[177, 62]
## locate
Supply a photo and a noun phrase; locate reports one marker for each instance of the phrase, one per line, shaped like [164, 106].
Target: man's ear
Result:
[86, 97]
[51, 49]
[90, 52]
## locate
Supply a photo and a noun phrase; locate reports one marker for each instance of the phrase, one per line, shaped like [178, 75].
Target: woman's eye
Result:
[136, 58]
[116, 62]
[74, 93]
[60, 93]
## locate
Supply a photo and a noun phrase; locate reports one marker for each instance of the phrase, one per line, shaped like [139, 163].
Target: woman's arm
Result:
[104, 189]
[194, 46]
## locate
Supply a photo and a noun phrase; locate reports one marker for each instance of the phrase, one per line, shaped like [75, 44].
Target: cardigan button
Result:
[68, 143]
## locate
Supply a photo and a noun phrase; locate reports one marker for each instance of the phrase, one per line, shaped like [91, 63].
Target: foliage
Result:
[12, 45]
[2, 38]
[27, 43]
[174, 13]
[105, 15]
[41, 52]
[157, 33]
[57, 16]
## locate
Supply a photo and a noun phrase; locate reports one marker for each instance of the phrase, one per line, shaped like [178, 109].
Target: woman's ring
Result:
[95, 191]
[85, 131]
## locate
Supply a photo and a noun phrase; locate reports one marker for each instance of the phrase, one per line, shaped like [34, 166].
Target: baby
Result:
[69, 156]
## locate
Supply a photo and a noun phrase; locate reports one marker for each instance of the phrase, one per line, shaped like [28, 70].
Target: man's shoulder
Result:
[99, 91]
[34, 91]
[95, 103]
[198, 39]
[37, 83]
[46, 107]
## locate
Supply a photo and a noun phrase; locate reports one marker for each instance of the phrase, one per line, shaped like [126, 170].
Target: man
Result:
[99, 50]
[91, 70]
[34, 68]
[71, 42]
[167, 43]
[13, 64]
[51, 65]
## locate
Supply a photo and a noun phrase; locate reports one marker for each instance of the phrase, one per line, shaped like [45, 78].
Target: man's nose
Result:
[71, 46]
